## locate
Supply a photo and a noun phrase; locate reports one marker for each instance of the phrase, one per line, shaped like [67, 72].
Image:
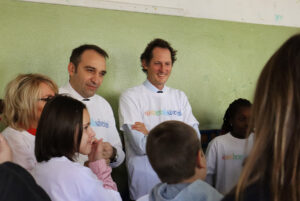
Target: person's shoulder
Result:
[63, 168]
[221, 138]
[8, 131]
[176, 92]
[134, 89]
[206, 189]
[14, 135]
[133, 92]
[99, 98]
[63, 89]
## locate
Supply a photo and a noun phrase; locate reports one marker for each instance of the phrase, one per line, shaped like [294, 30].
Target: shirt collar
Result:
[152, 88]
[74, 93]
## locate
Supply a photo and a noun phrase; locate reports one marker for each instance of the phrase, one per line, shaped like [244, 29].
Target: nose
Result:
[96, 80]
[91, 133]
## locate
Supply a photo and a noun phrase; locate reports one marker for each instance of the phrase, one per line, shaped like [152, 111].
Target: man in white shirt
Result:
[87, 69]
[143, 107]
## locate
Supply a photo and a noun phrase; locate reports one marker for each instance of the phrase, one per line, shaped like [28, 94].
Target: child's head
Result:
[63, 129]
[174, 152]
[236, 118]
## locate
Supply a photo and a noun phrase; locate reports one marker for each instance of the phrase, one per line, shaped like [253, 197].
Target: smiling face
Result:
[88, 135]
[88, 76]
[159, 68]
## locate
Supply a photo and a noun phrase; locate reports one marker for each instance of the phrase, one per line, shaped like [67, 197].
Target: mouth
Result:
[94, 88]
[161, 75]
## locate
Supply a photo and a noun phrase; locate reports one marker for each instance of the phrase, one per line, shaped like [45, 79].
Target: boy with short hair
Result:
[175, 154]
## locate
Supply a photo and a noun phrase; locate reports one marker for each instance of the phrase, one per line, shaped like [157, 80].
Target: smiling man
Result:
[143, 107]
[87, 69]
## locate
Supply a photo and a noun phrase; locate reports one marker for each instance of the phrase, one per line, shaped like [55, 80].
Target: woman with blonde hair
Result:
[271, 172]
[24, 100]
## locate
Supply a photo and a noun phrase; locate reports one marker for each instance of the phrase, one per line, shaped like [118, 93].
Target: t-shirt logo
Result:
[163, 113]
[233, 157]
[99, 123]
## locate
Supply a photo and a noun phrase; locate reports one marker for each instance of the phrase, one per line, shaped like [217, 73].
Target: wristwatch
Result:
[114, 156]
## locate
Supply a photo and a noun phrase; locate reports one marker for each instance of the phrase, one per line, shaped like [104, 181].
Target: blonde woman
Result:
[272, 170]
[24, 100]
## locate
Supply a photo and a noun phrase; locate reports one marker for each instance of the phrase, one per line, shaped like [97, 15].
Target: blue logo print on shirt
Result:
[99, 123]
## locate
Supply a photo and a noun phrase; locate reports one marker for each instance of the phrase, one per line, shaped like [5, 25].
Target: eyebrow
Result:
[102, 72]
[87, 124]
[90, 67]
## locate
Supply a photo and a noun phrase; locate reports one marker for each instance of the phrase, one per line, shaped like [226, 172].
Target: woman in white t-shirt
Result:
[63, 132]
[24, 100]
[226, 153]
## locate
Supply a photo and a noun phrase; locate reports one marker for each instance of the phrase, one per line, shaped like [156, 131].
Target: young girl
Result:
[63, 132]
[225, 154]
[271, 172]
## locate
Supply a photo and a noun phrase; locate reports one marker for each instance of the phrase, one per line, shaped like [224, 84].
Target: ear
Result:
[201, 161]
[71, 69]
[144, 64]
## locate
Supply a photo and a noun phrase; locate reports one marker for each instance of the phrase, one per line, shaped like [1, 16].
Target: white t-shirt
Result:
[22, 145]
[141, 104]
[64, 180]
[102, 122]
[224, 157]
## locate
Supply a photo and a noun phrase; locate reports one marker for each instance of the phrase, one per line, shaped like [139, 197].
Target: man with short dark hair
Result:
[87, 69]
[143, 107]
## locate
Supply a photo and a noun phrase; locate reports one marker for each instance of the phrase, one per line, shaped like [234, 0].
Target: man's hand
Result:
[107, 150]
[97, 151]
[139, 126]
[5, 151]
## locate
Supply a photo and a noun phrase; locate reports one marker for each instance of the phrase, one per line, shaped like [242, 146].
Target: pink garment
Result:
[102, 170]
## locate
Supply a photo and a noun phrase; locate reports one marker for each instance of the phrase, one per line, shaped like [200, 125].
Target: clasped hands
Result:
[101, 150]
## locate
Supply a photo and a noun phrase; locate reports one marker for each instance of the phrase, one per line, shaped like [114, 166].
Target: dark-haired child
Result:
[175, 154]
[225, 154]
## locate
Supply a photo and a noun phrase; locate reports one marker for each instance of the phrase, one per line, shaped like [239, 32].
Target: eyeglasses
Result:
[46, 99]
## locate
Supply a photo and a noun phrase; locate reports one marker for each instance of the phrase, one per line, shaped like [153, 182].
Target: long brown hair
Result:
[275, 156]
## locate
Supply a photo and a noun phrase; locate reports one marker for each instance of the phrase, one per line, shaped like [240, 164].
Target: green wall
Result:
[217, 61]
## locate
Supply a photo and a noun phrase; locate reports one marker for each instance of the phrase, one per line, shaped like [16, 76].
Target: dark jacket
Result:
[18, 184]
[255, 192]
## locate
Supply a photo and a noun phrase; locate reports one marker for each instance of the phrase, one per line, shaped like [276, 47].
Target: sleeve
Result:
[114, 139]
[129, 111]
[94, 191]
[137, 140]
[187, 113]
[21, 154]
[211, 162]
[103, 173]
[195, 126]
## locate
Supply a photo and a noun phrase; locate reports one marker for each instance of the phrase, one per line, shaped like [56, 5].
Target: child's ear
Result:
[201, 161]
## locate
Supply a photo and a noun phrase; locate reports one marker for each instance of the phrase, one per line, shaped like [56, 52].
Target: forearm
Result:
[103, 173]
[137, 140]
